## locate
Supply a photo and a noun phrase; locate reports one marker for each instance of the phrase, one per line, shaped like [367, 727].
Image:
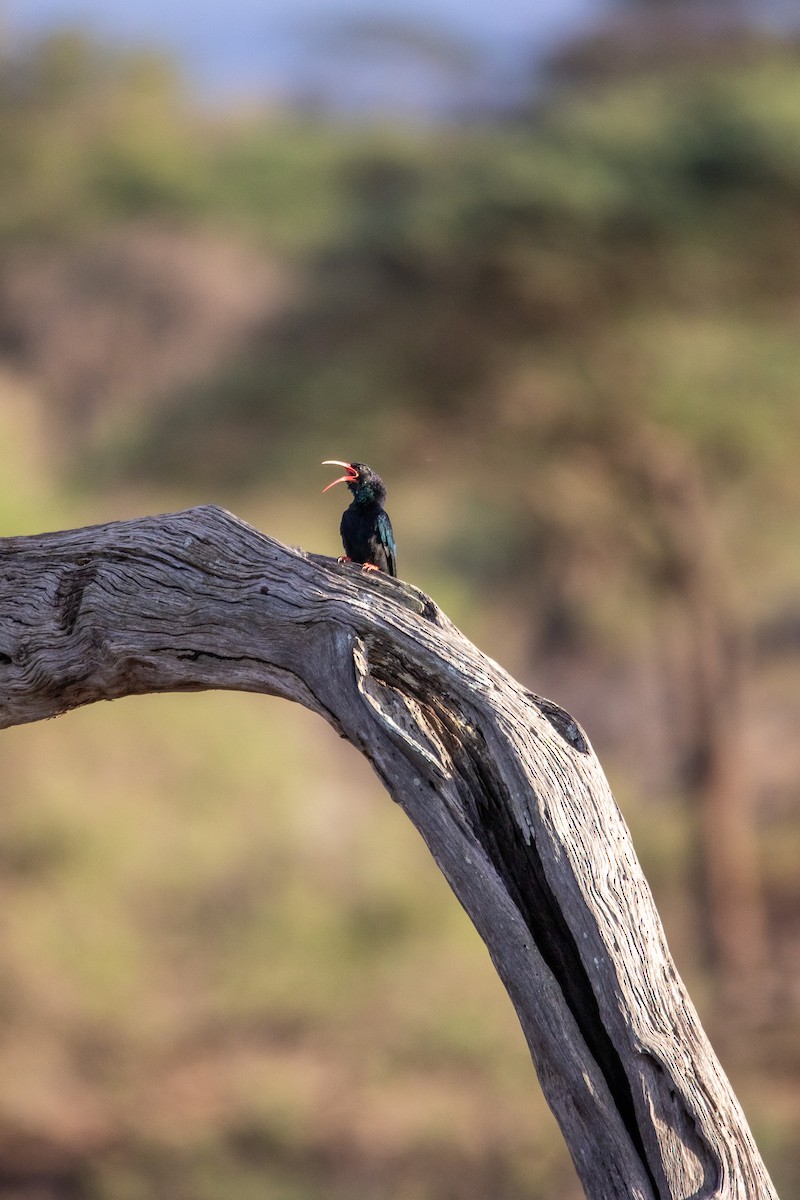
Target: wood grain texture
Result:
[502, 784]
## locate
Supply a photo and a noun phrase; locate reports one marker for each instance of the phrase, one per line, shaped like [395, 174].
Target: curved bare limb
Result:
[502, 784]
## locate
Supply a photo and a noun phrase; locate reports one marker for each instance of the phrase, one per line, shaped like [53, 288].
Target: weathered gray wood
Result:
[502, 785]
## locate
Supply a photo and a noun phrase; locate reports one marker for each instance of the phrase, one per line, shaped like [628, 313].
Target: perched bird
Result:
[366, 529]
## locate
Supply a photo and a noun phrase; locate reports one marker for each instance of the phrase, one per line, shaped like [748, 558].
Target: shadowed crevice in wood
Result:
[488, 812]
[682, 1121]
[519, 865]
[69, 594]
[563, 722]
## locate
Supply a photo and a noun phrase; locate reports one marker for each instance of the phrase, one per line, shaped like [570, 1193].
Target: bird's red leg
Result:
[369, 567]
[344, 558]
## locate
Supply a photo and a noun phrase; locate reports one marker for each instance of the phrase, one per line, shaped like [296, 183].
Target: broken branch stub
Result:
[502, 785]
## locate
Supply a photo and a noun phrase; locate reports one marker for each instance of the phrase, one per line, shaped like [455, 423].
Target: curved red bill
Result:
[350, 477]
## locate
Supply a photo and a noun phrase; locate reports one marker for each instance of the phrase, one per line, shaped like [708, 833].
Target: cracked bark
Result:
[502, 785]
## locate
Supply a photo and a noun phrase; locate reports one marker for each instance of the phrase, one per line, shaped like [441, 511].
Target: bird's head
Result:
[361, 479]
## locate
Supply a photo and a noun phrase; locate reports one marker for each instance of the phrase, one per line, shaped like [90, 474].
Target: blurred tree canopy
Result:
[88, 135]
[507, 306]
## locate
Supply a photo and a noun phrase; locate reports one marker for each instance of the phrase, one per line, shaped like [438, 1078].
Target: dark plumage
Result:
[366, 529]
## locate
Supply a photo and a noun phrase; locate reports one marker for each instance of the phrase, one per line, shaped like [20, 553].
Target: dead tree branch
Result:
[502, 785]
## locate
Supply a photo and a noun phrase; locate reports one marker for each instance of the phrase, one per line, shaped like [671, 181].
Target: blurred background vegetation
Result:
[566, 333]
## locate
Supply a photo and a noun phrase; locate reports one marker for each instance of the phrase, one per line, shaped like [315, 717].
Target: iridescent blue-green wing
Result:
[386, 537]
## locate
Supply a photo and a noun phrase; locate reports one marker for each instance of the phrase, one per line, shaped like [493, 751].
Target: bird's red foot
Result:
[344, 558]
[369, 567]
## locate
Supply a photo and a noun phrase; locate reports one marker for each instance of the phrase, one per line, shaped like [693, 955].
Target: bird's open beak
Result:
[350, 477]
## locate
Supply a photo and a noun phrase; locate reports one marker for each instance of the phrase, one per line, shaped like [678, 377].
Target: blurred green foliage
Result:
[89, 136]
[228, 967]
